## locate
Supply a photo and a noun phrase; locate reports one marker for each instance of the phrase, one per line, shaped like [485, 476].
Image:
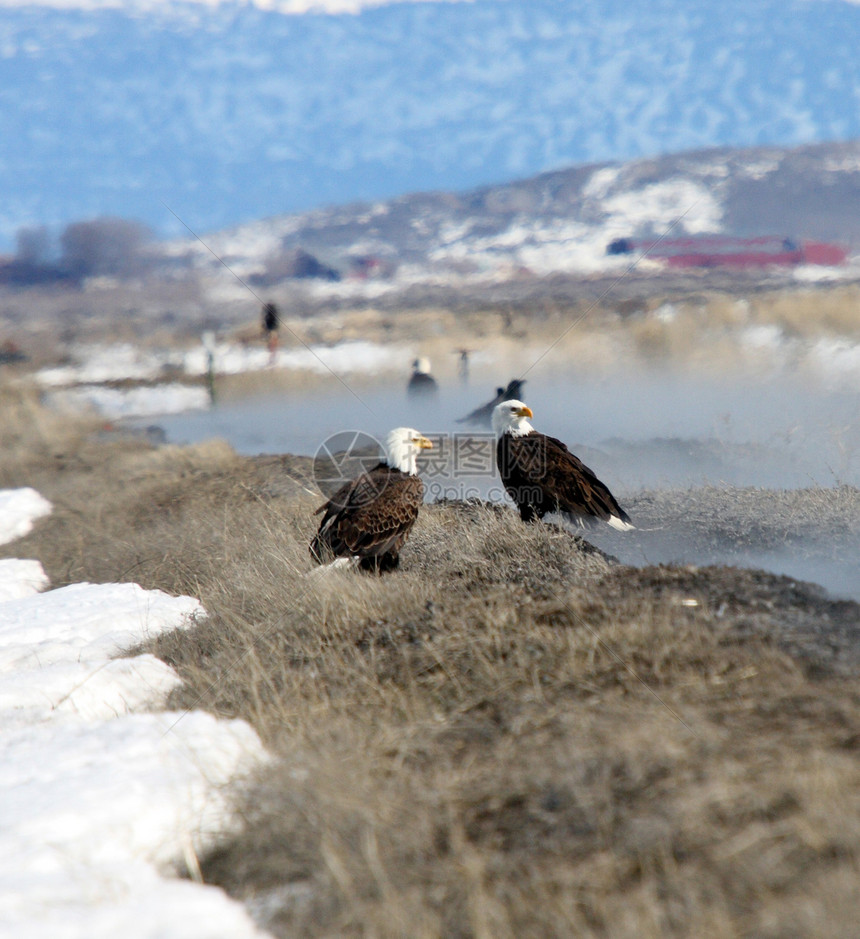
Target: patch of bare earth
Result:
[513, 735]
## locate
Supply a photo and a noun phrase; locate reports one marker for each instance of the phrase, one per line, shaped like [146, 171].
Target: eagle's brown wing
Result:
[575, 487]
[542, 476]
[370, 516]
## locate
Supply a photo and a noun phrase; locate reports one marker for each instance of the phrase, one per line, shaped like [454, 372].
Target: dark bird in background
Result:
[422, 384]
[483, 416]
[367, 521]
[542, 476]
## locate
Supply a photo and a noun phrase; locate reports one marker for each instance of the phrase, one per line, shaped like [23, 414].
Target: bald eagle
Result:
[368, 519]
[422, 384]
[541, 475]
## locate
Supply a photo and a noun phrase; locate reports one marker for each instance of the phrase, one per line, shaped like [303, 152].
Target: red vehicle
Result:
[727, 251]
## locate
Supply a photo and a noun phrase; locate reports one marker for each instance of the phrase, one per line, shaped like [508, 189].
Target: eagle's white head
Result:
[421, 365]
[511, 417]
[401, 449]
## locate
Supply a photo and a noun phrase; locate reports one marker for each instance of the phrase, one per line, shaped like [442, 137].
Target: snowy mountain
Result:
[231, 112]
[557, 222]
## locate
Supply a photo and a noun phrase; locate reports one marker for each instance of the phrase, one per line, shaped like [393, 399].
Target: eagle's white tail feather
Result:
[335, 565]
[590, 522]
[618, 524]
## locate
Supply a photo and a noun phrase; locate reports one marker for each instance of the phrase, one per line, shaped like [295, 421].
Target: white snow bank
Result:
[56, 648]
[104, 363]
[73, 388]
[91, 366]
[78, 385]
[682, 203]
[20, 579]
[359, 356]
[144, 401]
[19, 508]
[99, 806]
[92, 816]
[544, 247]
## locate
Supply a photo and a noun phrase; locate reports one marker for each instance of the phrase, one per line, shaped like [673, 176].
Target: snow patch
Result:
[19, 508]
[74, 386]
[94, 814]
[92, 364]
[848, 163]
[680, 203]
[144, 401]
[813, 274]
[601, 181]
[101, 807]
[19, 578]
[759, 169]
[767, 337]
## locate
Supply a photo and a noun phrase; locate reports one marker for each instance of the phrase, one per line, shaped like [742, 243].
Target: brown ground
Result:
[511, 736]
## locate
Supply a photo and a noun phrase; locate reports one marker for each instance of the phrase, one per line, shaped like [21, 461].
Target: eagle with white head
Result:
[542, 476]
[369, 518]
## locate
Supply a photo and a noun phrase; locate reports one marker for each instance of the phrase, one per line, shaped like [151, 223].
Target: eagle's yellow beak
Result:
[524, 411]
[422, 443]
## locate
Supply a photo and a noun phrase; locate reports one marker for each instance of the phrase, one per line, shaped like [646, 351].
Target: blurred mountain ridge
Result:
[563, 220]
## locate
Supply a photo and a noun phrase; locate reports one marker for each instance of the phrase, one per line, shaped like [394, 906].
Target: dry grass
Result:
[511, 736]
[31, 436]
[276, 381]
[812, 313]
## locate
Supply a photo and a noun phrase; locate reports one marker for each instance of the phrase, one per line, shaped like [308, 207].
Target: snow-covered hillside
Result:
[555, 222]
[232, 112]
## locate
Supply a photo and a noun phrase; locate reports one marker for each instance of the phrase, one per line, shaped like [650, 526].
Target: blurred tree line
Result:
[124, 249]
[101, 247]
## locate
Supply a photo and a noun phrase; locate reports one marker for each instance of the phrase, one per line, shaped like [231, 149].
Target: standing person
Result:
[271, 321]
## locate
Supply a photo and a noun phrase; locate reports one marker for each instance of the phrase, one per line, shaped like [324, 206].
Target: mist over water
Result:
[638, 429]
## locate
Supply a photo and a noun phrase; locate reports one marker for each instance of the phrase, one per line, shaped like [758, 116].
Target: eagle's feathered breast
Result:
[422, 384]
[369, 518]
[541, 475]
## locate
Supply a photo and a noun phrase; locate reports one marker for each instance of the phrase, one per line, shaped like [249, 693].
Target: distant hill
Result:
[562, 221]
[229, 112]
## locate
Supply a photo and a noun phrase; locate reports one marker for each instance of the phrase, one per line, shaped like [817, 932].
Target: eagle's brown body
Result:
[369, 519]
[542, 476]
